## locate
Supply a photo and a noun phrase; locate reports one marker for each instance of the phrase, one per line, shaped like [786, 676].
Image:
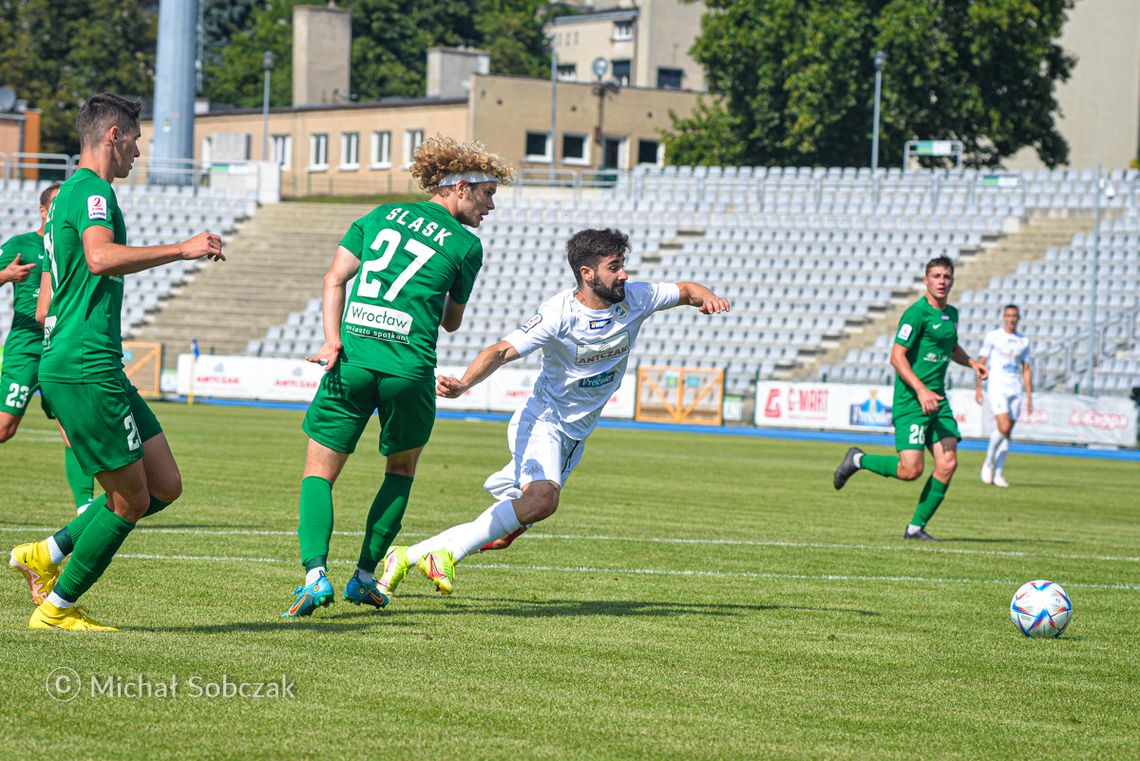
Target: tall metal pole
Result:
[553, 107]
[1089, 388]
[267, 62]
[879, 58]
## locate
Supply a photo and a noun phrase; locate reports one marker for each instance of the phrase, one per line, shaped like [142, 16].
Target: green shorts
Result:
[349, 395]
[914, 429]
[18, 384]
[105, 419]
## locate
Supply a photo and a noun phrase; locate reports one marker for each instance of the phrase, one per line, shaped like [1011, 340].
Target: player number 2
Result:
[17, 396]
[389, 241]
[917, 434]
[133, 442]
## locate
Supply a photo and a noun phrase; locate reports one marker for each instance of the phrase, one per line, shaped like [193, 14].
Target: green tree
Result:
[58, 54]
[236, 79]
[795, 80]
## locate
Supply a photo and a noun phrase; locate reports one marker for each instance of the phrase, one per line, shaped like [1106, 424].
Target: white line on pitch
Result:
[660, 572]
[924, 548]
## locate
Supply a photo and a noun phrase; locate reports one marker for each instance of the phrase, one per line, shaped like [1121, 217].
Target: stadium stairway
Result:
[274, 266]
[972, 273]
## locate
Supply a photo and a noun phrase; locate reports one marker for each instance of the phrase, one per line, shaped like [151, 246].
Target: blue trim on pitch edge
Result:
[793, 434]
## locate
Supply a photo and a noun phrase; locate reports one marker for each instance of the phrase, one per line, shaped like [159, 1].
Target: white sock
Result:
[858, 460]
[313, 575]
[58, 601]
[496, 521]
[57, 555]
[913, 529]
[995, 441]
[364, 576]
[1002, 452]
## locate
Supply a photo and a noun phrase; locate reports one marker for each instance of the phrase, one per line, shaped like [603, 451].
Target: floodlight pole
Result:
[553, 107]
[267, 62]
[1089, 387]
[879, 58]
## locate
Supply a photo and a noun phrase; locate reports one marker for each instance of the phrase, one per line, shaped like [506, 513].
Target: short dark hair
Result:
[940, 261]
[586, 248]
[103, 111]
[1011, 306]
[45, 196]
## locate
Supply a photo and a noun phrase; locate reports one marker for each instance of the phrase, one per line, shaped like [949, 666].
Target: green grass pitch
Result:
[695, 596]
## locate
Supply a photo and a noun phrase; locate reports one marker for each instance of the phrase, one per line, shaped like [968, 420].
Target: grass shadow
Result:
[515, 608]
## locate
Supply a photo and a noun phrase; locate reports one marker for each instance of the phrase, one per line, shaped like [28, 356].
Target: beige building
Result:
[645, 43]
[1100, 104]
[353, 149]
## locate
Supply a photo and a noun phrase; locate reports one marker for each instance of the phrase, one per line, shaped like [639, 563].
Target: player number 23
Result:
[17, 396]
[389, 241]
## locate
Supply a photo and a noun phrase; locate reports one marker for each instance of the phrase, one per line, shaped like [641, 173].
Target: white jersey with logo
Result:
[1005, 355]
[584, 352]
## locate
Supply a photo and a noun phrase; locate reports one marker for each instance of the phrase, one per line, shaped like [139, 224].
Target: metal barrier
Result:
[1065, 366]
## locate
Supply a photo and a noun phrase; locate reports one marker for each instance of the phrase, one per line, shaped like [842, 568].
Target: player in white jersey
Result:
[585, 334]
[1006, 354]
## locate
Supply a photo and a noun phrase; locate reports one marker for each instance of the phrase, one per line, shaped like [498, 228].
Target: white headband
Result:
[471, 178]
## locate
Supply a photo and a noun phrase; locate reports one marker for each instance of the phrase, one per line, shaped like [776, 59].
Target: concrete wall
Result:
[1100, 104]
[449, 70]
[322, 48]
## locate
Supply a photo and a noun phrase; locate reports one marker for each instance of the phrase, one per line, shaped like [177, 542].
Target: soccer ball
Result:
[1040, 609]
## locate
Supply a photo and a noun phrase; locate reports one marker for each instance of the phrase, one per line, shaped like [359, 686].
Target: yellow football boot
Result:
[48, 616]
[33, 560]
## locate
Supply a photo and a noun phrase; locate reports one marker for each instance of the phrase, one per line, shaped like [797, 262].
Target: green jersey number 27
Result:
[389, 240]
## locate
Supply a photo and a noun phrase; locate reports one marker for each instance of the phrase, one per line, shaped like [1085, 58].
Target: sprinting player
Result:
[1010, 382]
[22, 257]
[585, 334]
[114, 434]
[415, 266]
[926, 342]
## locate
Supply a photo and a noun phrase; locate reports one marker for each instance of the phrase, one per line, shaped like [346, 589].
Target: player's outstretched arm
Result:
[978, 383]
[345, 265]
[16, 272]
[697, 295]
[481, 368]
[452, 314]
[106, 257]
[1027, 376]
[927, 399]
[43, 301]
[960, 356]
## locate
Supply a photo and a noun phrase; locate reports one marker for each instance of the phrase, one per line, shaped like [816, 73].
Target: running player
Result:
[115, 436]
[586, 335]
[20, 379]
[414, 266]
[926, 342]
[1009, 384]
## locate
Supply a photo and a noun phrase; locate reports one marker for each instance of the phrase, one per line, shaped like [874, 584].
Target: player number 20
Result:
[389, 241]
[917, 434]
[17, 396]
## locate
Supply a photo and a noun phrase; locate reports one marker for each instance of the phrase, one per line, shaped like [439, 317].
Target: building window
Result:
[381, 150]
[622, 69]
[537, 146]
[412, 140]
[247, 148]
[282, 150]
[567, 72]
[350, 150]
[670, 79]
[650, 152]
[318, 152]
[576, 149]
[623, 30]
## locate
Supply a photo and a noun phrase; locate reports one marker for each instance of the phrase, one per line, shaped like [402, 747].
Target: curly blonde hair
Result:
[440, 156]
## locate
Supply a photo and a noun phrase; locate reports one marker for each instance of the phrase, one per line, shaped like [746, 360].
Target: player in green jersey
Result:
[114, 434]
[926, 342]
[414, 266]
[21, 260]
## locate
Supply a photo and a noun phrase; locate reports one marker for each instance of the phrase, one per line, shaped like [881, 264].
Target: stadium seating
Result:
[154, 214]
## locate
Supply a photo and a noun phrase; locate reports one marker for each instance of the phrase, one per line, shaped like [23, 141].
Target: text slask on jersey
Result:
[96, 207]
[429, 230]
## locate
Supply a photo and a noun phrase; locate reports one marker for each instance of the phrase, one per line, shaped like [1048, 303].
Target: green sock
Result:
[93, 553]
[883, 464]
[932, 495]
[82, 485]
[67, 536]
[156, 506]
[316, 524]
[384, 519]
